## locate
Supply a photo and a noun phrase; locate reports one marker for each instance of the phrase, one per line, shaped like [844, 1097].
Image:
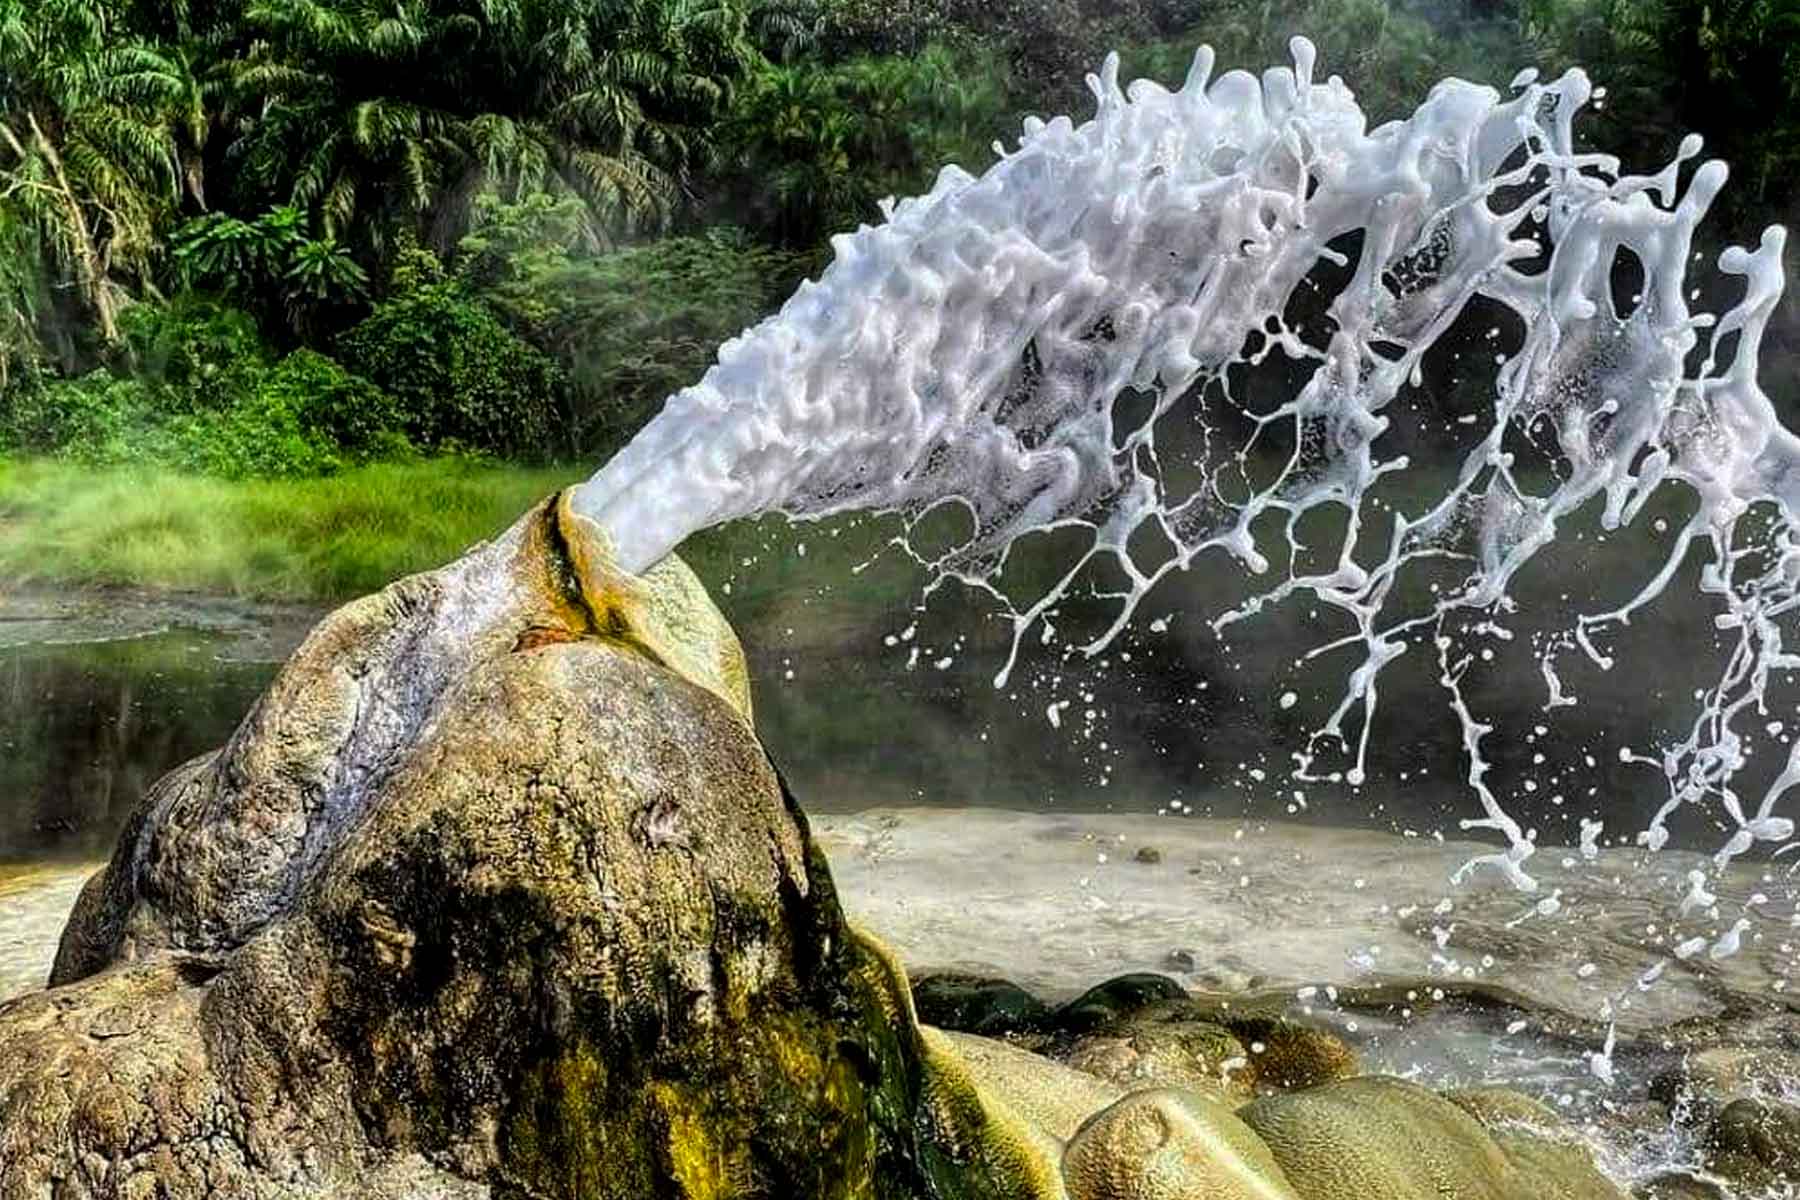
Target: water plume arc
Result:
[975, 347]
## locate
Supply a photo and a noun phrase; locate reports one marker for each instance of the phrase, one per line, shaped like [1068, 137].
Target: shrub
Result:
[101, 420]
[627, 327]
[196, 391]
[259, 437]
[305, 416]
[199, 352]
[462, 379]
[346, 410]
[271, 263]
[87, 418]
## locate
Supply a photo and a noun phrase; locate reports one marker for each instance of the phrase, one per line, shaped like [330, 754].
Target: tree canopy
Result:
[599, 191]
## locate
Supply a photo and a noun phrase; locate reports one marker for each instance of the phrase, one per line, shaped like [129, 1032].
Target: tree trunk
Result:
[90, 266]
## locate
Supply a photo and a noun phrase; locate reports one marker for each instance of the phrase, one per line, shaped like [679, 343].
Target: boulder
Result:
[494, 890]
[1147, 1031]
[496, 893]
[1378, 1138]
[1193, 1055]
[1540, 1145]
[1170, 1144]
[1106, 1004]
[1051, 1099]
[977, 1004]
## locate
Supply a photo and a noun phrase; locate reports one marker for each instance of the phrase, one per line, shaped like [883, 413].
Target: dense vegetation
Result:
[280, 238]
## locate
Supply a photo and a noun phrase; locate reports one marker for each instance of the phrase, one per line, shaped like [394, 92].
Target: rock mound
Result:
[496, 894]
[483, 894]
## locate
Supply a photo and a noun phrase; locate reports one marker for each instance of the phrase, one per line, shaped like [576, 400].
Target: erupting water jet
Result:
[978, 347]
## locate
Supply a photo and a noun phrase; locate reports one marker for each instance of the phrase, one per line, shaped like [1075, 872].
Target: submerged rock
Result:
[1375, 1138]
[1165, 1045]
[1710, 1078]
[1756, 1145]
[977, 1004]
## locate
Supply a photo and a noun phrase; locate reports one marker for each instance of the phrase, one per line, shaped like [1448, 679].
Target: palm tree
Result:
[817, 143]
[376, 115]
[22, 299]
[89, 149]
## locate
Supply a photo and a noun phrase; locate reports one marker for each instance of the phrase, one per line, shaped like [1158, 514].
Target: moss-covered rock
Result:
[495, 885]
[496, 894]
[1286, 1054]
[1051, 1097]
[1377, 1138]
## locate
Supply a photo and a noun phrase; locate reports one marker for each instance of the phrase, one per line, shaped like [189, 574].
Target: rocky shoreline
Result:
[496, 893]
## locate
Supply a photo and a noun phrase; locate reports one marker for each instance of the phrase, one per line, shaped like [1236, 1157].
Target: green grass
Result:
[331, 539]
[290, 540]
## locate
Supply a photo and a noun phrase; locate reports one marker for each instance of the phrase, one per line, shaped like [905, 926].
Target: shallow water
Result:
[964, 837]
[101, 694]
[34, 903]
[865, 701]
[1286, 905]
[1335, 925]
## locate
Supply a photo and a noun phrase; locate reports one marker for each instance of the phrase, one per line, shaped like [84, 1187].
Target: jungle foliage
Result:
[256, 238]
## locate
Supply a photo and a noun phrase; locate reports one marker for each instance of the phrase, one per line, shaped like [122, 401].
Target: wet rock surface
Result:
[1145, 1030]
[978, 1004]
[496, 893]
[1756, 1144]
[1711, 1077]
[482, 897]
[1681, 1185]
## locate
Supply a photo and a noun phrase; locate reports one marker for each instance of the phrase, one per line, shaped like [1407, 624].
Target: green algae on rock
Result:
[482, 883]
[1168, 1144]
[496, 894]
[1380, 1138]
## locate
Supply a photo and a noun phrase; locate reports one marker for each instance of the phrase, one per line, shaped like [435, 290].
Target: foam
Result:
[974, 348]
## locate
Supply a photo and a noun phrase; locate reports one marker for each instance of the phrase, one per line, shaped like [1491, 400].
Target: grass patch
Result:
[325, 540]
[293, 540]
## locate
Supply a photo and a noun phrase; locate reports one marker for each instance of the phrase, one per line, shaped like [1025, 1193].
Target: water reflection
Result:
[85, 728]
[99, 696]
